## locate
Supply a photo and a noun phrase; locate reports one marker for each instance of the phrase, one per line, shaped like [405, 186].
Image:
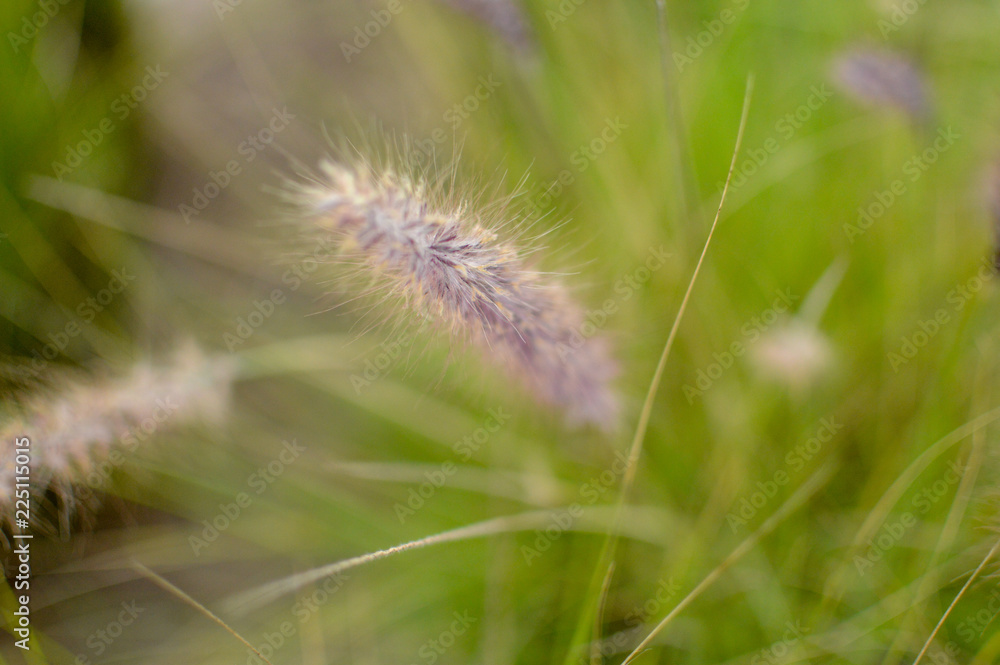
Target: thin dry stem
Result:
[965, 587]
[794, 502]
[635, 450]
[163, 583]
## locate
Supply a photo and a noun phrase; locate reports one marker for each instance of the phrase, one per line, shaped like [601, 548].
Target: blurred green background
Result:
[622, 149]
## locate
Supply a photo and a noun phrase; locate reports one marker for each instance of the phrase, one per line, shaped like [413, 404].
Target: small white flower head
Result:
[794, 354]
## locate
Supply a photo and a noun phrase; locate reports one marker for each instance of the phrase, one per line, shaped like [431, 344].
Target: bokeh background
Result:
[852, 269]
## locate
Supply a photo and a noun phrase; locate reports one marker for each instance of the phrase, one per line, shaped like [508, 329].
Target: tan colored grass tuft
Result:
[81, 428]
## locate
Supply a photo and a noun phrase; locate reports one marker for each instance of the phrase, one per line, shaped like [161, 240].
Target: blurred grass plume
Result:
[80, 430]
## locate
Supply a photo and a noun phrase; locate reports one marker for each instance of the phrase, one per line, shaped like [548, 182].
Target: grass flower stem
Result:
[686, 193]
[878, 514]
[594, 520]
[794, 502]
[635, 449]
[958, 596]
[166, 585]
[956, 513]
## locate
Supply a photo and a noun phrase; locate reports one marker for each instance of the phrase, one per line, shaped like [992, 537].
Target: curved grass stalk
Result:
[895, 492]
[591, 522]
[963, 495]
[803, 494]
[166, 585]
[635, 449]
[965, 587]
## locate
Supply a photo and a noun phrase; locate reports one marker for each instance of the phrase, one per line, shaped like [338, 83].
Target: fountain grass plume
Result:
[504, 17]
[423, 247]
[80, 427]
[883, 78]
[991, 196]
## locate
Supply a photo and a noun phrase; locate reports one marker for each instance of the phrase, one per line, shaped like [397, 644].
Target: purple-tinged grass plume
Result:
[882, 78]
[438, 254]
[81, 428]
[991, 196]
[504, 17]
